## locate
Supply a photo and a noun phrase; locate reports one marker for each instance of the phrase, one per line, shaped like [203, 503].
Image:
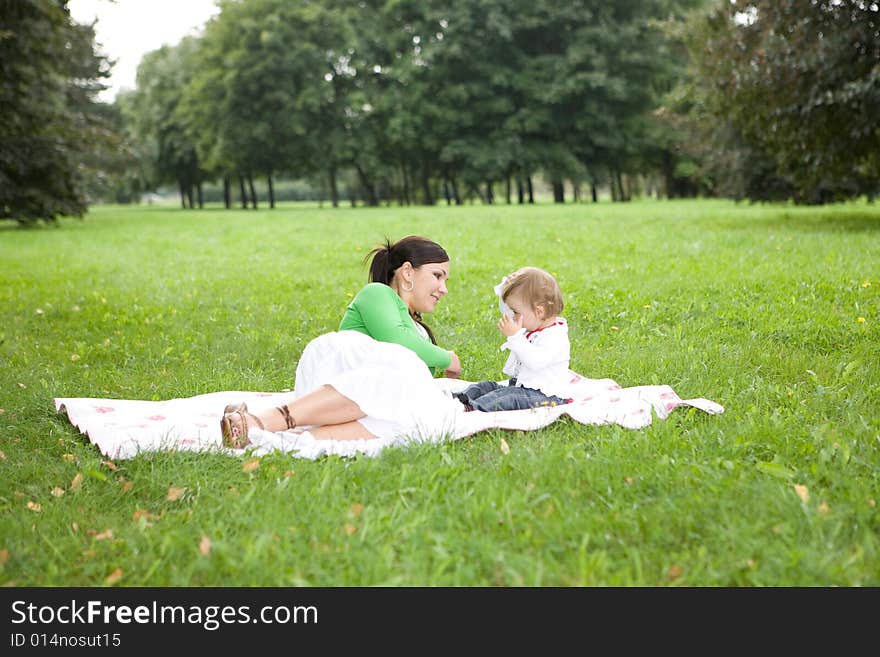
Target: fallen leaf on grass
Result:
[823, 509]
[250, 466]
[126, 485]
[350, 529]
[77, 482]
[356, 509]
[113, 577]
[675, 571]
[36, 507]
[4, 556]
[104, 535]
[2, 456]
[70, 458]
[505, 448]
[802, 492]
[774, 469]
[205, 546]
[109, 464]
[57, 491]
[174, 493]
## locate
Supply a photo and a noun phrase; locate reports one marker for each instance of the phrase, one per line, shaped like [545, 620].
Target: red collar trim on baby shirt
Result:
[537, 330]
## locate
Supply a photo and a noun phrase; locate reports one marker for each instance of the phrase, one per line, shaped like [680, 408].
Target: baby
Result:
[537, 337]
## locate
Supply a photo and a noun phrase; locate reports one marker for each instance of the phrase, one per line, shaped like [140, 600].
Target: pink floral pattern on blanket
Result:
[124, 428]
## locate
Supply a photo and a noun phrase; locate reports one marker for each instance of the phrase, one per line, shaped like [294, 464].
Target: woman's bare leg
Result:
[353, 430]
[335, 414]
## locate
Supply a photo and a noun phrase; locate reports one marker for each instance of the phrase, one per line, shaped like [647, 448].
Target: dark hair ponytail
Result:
[380, 266]
[414, 249]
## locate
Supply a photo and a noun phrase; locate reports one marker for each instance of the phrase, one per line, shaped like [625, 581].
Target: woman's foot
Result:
[234, 425]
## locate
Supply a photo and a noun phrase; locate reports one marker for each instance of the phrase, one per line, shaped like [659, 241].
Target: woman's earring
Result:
[412, 284]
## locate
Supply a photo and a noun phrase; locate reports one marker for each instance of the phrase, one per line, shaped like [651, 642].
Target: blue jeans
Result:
[489, 396]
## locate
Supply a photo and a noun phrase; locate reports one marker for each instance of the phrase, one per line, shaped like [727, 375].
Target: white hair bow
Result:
[505, 309]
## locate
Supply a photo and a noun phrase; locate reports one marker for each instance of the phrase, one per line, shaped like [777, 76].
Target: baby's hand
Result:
[508, 325]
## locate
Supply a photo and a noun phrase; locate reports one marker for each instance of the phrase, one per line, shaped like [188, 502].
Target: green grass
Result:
[771, 311]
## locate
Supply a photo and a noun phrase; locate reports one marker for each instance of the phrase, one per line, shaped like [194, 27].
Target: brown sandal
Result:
[291, 423]
[234, 425]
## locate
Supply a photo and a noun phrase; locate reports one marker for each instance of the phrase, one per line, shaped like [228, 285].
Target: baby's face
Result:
[531, 319]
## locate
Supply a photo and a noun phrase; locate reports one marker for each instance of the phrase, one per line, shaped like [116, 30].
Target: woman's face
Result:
[428, 286]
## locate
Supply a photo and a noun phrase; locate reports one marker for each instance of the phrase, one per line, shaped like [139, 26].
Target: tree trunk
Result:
[446, 192]
[455, 193]
[244, 198]
[367, 184]
[250, 180]
[594, 192]
[558, 191]
[490, 194]
[520, 192]
[334, 189]
[474, 190]
[667, 167]
[426, 183]
[407, 200]
[227, 200]
[530, 189]
[199, 195]
[507, 189]
[182, 189]
[622, 193]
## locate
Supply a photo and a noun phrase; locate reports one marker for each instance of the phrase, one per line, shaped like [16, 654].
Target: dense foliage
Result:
[412, 101]
[420, 102]
[51, 130]
[793, 90]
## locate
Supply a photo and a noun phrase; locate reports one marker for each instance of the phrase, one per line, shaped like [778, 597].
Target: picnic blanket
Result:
[123, 428]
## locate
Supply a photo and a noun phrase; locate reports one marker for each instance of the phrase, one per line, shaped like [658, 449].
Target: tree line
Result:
[425, 101]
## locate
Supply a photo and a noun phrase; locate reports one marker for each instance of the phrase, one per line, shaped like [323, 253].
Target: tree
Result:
[49, 76]
[799, 84]
[157, 117]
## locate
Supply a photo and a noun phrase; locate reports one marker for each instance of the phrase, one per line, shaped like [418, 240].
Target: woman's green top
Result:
[378, 311]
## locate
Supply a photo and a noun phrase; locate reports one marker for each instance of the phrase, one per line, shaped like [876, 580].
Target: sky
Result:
[127, 29]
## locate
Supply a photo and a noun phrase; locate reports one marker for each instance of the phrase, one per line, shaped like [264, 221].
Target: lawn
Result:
[770, 310]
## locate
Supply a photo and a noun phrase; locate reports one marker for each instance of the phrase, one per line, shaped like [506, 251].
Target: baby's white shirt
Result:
[539, 359]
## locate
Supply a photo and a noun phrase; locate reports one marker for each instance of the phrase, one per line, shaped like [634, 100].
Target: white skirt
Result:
[389, 382]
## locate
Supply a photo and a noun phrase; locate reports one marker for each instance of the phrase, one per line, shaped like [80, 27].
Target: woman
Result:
[373, 376]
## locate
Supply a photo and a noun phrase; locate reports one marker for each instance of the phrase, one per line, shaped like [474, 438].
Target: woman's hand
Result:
[454, 369]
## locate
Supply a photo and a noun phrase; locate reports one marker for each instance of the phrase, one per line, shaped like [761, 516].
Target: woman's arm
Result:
[386, 318]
